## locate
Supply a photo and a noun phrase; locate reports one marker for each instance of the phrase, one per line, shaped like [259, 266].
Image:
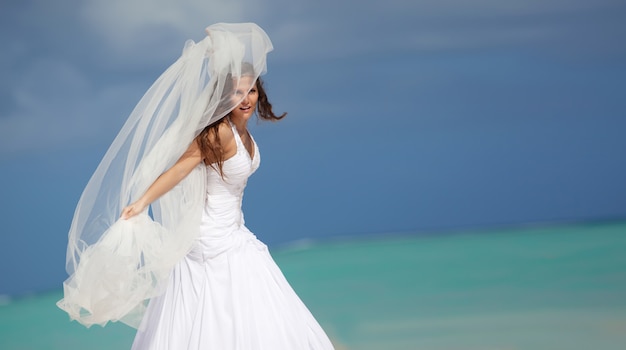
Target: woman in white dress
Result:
[210, 283]
[227, 293]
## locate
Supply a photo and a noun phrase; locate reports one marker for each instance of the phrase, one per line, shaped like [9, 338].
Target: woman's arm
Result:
[170, 178]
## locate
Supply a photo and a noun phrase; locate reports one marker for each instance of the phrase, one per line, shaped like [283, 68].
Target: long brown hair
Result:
[209, 139]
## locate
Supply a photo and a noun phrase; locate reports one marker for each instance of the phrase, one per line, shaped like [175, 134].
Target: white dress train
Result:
[228, 293]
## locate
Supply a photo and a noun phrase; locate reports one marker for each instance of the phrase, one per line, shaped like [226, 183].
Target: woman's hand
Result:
[132, 210]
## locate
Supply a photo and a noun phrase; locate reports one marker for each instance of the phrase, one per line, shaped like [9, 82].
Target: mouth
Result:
[245, 109]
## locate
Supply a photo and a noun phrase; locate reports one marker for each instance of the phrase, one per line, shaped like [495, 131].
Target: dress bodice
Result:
[225, 194]
[222, 217]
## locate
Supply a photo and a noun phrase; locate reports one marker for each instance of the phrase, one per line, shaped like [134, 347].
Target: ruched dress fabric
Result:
[228, 293]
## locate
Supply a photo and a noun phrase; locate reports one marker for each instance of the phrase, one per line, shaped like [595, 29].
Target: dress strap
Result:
[240, 145]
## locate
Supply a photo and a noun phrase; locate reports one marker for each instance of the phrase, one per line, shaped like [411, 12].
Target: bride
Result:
[180, 264]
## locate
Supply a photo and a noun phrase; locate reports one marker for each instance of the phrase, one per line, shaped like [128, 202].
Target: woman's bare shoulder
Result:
[225, 132]
[222, 132]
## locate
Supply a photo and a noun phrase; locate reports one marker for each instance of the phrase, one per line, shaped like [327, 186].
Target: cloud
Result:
[38, 93]
[70, 67]
[148, 30]
[56, 105]
[328, 29]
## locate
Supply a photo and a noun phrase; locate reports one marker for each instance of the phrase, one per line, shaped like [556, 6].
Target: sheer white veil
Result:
[115, 265]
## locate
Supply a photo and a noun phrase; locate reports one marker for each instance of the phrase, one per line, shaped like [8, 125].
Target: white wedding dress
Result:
[228, 293]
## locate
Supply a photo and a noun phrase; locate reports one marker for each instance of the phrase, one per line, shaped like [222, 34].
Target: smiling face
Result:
[245, 109]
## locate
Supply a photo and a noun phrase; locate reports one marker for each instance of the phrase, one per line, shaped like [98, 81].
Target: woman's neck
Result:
[240, 124]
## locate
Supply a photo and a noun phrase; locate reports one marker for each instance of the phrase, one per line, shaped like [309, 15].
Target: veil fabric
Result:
[116, 265]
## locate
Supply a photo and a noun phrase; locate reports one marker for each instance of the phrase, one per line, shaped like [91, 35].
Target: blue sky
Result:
[404, 116]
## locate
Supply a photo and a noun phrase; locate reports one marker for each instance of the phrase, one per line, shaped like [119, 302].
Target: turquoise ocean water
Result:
[554, 287]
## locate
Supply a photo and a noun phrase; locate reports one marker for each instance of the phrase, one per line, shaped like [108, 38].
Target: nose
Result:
[245, 99]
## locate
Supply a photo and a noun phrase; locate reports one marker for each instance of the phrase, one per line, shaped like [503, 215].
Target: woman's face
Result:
[247, 106]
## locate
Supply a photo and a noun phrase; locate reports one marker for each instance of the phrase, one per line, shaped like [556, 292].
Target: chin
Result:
[245, 117]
